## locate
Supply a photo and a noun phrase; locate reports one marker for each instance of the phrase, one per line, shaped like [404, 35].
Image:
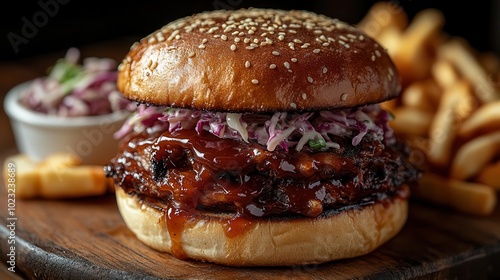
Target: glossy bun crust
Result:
[258, 60]
[271, 242]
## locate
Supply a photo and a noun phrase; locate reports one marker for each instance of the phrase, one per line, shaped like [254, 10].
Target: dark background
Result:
[78, 22]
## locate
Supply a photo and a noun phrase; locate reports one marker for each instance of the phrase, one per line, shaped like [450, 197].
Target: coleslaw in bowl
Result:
[75, 109]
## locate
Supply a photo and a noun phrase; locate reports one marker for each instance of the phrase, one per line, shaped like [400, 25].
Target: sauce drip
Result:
[193, 173]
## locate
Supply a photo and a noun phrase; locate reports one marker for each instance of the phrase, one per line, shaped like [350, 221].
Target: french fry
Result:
[474, 156]
[381, 15]
[447, 105]
[418, 96]
[389, 105]
[460, 54]
[27, 179]
[486, 118]
[472, 198]
[411, 121]
[490, 175]
[58, 176]
[444, 73]
[442, 132]
[390, 39]
[411, 57]
[71, 182]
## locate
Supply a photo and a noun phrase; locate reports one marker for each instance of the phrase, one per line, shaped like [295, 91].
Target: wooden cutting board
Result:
[87, 239]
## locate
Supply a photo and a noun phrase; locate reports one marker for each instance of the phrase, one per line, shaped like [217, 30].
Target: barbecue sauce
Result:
[192, 173]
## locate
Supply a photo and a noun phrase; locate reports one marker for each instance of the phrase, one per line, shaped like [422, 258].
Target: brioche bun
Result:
[298, 61]
[271, 242]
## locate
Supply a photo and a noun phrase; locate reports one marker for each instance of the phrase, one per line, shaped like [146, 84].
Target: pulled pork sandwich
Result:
[259, 140]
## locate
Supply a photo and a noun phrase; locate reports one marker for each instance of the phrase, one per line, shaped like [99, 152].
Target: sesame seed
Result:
[343, 97]
[361, 37]
[293, 105]
[373, 57]
[256, 41]
[241, 34]
[286, 64]
[291, 45]
[293, 59]
[159, 37]
[304, 96]
[325, 70]
[177, 37]
[191, 54]
[391, 72]
[246, 40]
[292, 31]
[297, 41]
[204, 41]
[154, 65]
[201, 46]
[216, 36]
[343, 38]
[305, 45]
[377, 53]
[249, 47]
[310, 80]
[255, 81]
[317, 31]
[235, 33]
[275, 53]
[134, 46]
[347, 46]
[237, 39]
[247, 64]
[272, 66]
[281, 37]
[326, 44]
[223, 37]
[316, 50]
[251, 32]
[233, 47]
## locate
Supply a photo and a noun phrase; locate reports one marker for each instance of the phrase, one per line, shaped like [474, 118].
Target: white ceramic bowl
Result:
[39, 135]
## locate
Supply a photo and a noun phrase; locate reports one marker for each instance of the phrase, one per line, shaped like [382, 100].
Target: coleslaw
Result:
[72, 89]
[287, 130]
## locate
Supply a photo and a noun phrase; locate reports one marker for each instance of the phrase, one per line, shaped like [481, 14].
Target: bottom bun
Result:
[271, 242]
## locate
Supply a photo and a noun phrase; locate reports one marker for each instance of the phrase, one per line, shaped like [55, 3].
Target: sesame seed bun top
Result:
[258, 60]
